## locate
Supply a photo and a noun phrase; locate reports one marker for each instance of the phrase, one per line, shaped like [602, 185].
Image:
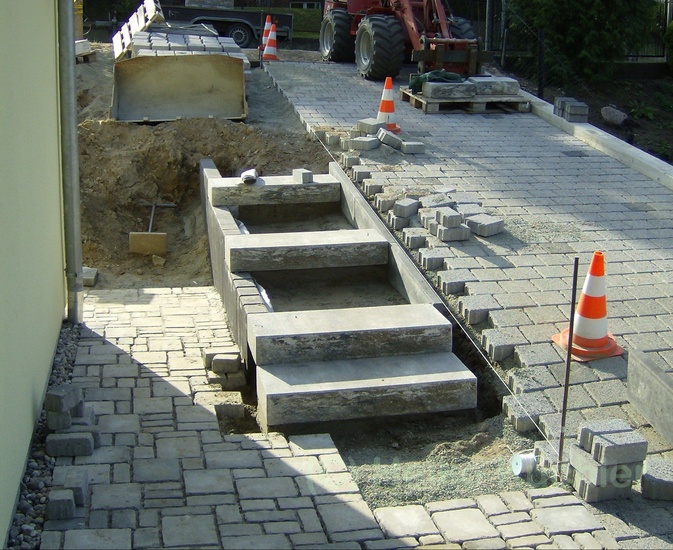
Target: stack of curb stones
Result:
[225, 374]
[608, 459]
[74, 433]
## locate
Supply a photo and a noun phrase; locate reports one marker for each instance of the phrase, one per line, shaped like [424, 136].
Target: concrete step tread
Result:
[401, 370]
[310, 322]
[305, 239]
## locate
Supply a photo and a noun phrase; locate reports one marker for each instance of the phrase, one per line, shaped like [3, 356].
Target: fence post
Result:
[540, 64]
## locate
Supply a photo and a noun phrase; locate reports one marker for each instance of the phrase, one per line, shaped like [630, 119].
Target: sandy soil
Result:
[123, 164]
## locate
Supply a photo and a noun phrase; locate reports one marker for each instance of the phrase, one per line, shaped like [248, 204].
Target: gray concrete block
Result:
[601, 427]
[372, 188]
[446, 234]
[448, 217]
[78, 482]
[559, 104]
[59, 420]
[370, 125]
[396, 222]
[62, 398]
[601, 475]
[657, 481]
[413, 147]
[301, 175]
[485, 225]
[499, 343]
[650, 391]
[348, 160]
[61, 504]
[494, 85]
[384, 202]
[227, 403]
[406, 208]
[364, 143]
[93, 430]
[332, 139]
[89, 276]
[619, 448]
[524, 410]
[474, 309]
[360, 173]
[222, 363]
[432, 258]
[388, 138]
[87, 417]
[70, 444]
[574, 519]
[453, 281]
[465, 198]
[449, 90]
[592, 493]
[437, 200]
[414, 237]
[356, 133]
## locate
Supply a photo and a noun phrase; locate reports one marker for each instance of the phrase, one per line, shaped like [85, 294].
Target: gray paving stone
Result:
[405, 521]
[518, 530]
[499, 343]
[189, 530]
[205, 482]
[156, 469]
[346, 517]
[116, 496]
[484, 544]
[606, 426]
[119, 423]
[463, 525]
[607, 392]
[565, 541]
[146, 537]
[254, 542]
[657, 481]
[574, 519]
[104, 539]
[491, 505]
[511, 517]
[538, 354]
[123, 519]
[524, 410]
[531, 379]
[445, 505]
[531, 541]
[587, 542]
[391, 544]
[517, 501]
[152, 405]
[293, 466]
[358, 536]
[326, 484]
[178, 447]
[234, 459]
[265, 488]
[475, 309]
[578, 398]
[619, 448]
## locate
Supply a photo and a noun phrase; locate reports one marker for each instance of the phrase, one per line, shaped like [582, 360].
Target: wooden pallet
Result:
[477, 104]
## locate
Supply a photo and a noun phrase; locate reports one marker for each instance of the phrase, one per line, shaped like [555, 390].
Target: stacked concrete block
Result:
[407, 147]
[396, 222]
[571, 109]
[224, 368]
[414, 237]
[485, 225]
[657, 481]
[360, 173]
[607, 460]
[64, 499]
[72, 421]
[348, 160]
[385, 201]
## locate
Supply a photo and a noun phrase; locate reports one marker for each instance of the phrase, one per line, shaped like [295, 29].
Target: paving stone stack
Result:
[71, 422]
[607, 460]
[225, 374]
[571, 109]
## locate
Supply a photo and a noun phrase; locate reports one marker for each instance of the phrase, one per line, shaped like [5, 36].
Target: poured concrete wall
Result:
[32, 296]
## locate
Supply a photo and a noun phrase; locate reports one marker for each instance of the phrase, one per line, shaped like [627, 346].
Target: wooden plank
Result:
[476, 104]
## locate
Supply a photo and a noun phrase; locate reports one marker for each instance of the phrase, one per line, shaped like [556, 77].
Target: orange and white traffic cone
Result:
[591, 339]
[270, 52]
[387, 108]
[265, 34]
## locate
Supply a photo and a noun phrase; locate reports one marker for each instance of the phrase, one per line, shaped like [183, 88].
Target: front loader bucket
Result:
[162, 88]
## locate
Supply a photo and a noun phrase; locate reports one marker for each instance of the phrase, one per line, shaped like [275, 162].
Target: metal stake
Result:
[566, 382]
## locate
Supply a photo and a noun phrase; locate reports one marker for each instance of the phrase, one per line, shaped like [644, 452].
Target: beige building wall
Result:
[32, 296]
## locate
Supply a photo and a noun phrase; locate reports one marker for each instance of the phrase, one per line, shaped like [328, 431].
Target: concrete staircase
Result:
[318, 364]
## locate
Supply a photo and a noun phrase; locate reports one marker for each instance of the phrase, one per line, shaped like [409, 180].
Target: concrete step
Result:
[306, 250]
[352, 333]
[363, 388]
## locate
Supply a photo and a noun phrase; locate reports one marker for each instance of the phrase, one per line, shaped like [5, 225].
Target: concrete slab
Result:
[361, 388]
[305, 250]
[304, 336]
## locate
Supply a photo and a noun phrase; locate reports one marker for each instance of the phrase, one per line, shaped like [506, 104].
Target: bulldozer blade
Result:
[164, 88]
[148, 243]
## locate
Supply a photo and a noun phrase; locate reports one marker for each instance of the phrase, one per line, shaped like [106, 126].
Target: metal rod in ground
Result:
[154, 206]
[566, 381]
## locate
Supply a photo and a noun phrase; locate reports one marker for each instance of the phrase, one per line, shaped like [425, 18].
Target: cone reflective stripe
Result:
[267, 31]
[591, 339]
[270, 49]
[387, 107]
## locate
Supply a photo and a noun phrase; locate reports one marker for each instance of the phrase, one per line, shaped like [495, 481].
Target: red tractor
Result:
[378, 34]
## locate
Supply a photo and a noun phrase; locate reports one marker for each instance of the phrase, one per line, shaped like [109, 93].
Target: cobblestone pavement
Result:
[164, 475]
[559, 199]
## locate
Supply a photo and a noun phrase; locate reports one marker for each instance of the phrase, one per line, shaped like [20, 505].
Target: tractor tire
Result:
[379, 47]
[336, 42]
[461, 28]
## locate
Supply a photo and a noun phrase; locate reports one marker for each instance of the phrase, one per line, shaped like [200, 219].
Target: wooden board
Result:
[477, 104]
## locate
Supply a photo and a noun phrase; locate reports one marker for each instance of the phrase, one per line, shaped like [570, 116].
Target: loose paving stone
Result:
[573, 519]
[178, 447]
[104, 539]
[325, 484]
[189, 530]
[463, 525]
[405, 521]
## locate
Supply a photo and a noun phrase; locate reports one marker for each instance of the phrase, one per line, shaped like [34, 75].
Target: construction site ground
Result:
[559, 198]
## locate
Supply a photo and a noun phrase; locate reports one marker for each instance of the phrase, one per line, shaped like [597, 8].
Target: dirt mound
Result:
[123, 164]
